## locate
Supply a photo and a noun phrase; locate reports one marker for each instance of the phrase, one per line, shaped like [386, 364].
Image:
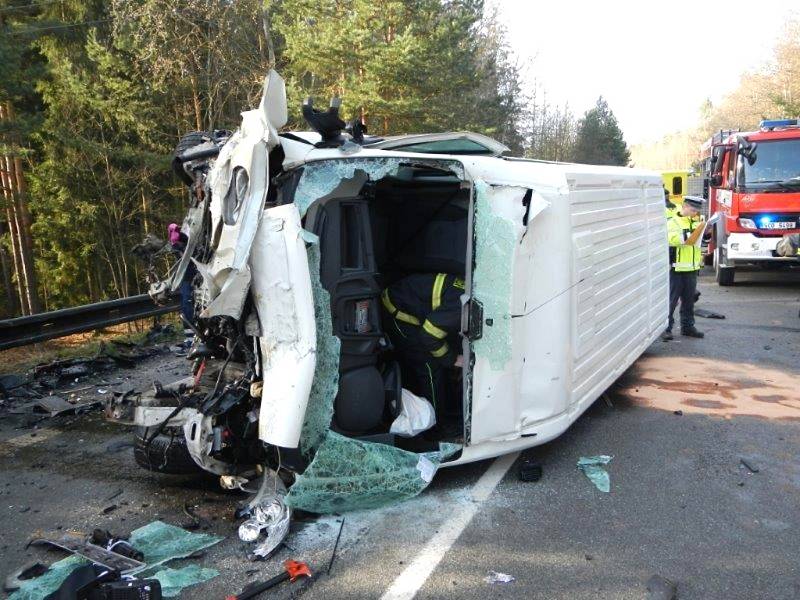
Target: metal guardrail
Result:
[22, 331]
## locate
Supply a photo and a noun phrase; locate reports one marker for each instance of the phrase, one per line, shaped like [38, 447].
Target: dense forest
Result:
[94, 96]
[769, 92]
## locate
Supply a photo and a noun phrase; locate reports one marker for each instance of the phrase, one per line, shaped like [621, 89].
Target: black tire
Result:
[167, 453]
[190, 140]
[724, 275]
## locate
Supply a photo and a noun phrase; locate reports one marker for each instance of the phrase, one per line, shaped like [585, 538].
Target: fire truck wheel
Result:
[723, 275]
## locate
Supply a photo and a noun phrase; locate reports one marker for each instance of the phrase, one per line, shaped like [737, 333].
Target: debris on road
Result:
[747, 465]
[591, 467]
[529, 470]
[29, 571]
[707, 314]
[173, 581]
[79, 545]
[292, 571]
[495, 577]
[118, 544]
[156, 543]
[335, 546]
[661, 588]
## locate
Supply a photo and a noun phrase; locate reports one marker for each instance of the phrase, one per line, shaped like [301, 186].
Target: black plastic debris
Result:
[95, 581]
[748, 465]
[707, 314]
[115, 543]
[11, 382]
[529, 470]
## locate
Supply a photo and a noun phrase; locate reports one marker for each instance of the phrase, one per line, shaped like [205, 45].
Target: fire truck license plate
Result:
[780, 225]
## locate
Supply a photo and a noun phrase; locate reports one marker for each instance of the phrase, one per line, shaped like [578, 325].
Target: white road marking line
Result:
[411, 580]
[26, 439]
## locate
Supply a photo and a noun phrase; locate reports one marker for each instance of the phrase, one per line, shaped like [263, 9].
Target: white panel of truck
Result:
[590, 295]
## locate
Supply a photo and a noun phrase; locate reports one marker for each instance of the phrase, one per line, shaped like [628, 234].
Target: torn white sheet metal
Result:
[198, 431]
[152, 416]
[239, 182]
[285, 305]
[192, 226]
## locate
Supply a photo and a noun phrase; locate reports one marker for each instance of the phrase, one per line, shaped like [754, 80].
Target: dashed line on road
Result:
[26, 439]
[411, 580]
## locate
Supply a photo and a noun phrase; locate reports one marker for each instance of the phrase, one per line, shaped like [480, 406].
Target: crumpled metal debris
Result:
[591, 467]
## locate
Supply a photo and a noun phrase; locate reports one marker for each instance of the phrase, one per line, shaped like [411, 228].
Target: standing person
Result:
[683, 231]
[423, 321]
[669, 207]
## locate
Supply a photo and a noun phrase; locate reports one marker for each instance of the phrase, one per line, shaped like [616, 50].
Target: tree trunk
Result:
[8, 285]
[8, 196]
[145, 213]
[198, 112]
[26, 236]
[23, 222]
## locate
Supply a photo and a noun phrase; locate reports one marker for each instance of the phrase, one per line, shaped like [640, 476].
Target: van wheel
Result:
[723, 275]
[167, 453]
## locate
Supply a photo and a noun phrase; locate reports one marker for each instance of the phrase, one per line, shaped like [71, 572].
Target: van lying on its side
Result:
[294, 236]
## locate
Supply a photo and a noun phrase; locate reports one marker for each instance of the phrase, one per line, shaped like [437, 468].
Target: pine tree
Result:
[400, 66]
[599, 139]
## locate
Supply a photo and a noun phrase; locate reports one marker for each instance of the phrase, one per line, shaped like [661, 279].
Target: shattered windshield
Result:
[776, 168]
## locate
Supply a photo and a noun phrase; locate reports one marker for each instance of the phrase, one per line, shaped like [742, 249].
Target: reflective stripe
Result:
[397, 314]
[434, 330]
[387, 302]
[438, 286]
[458, 283]
[406, 318]
[441, 351]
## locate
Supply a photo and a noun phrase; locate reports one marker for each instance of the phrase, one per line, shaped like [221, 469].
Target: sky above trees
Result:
[652, 61]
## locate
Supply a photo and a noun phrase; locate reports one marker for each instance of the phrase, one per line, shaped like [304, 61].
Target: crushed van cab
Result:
[294, 239]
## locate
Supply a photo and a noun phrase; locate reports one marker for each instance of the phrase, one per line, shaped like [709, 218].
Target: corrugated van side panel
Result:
[620, 266]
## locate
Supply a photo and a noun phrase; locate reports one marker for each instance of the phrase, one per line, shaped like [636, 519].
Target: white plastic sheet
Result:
[416, 415]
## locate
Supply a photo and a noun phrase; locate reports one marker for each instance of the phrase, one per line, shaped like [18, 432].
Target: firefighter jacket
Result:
[429, 306]
[687, 257]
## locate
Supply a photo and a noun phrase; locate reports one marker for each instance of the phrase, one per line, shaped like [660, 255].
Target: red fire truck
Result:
[754, 185]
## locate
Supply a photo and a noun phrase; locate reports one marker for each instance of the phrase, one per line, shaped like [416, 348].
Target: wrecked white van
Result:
[294, 236]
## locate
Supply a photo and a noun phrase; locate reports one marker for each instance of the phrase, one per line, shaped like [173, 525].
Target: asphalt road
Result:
[682, 505]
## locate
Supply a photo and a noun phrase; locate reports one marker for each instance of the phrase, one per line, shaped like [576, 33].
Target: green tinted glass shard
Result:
[320, 178]
[173, 581]
[492, 277]
[325, 384]
[160, 542]
[348, 474]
